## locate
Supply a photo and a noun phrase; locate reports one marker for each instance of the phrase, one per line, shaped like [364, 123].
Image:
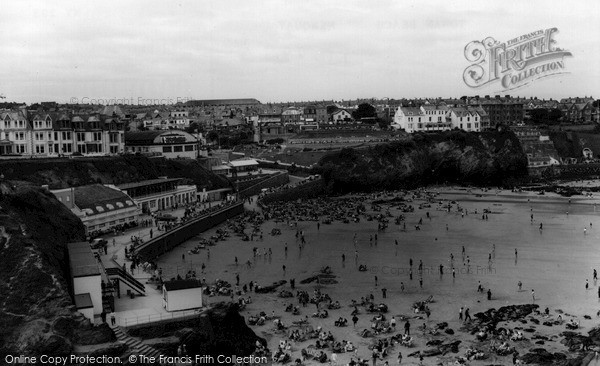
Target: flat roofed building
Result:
[85, 274]
[171, 144]
[159, 194]
[84, 304]
[182, 295]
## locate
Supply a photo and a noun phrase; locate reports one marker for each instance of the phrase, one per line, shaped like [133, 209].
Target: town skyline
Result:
[278, 52]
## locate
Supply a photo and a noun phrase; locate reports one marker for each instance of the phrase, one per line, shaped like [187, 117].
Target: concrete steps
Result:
[136, 347]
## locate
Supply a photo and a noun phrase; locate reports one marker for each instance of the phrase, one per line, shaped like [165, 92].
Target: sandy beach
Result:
[554, 261]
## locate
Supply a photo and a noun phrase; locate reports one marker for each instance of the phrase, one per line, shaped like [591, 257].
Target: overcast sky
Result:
[278, 50]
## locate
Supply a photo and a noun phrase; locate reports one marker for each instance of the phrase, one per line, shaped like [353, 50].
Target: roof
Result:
[143, 136]
[100, 199]
[209, 102]
[147, 183]
[83, 301]
[182, 284]
[148, 137]
[411, 111]
[430, 107]
[243, 162]
[109, 110]
[82, 260]
[220, 167]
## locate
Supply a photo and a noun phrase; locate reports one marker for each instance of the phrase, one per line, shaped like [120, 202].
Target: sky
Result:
[278, 51]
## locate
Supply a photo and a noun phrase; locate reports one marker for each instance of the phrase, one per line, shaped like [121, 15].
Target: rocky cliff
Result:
[36, 312]
[456, 157]
[63, 173]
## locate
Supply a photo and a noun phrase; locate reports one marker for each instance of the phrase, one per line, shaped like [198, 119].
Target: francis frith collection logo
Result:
[516, 62]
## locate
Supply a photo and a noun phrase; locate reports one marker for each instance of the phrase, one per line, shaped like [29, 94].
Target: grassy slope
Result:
[62, 173]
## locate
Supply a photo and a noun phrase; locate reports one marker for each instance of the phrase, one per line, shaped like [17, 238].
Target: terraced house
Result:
[36, 133]
[439, 118]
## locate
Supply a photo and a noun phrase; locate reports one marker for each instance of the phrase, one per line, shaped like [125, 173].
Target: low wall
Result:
[275, 181]
[567, 171]
[169, 240]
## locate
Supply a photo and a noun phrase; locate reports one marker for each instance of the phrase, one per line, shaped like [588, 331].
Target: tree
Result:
[364, 110]
[212, 136]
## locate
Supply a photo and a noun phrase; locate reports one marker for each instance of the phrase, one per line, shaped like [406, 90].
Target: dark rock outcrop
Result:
[218, 330]
[539, 356]
[489, 158]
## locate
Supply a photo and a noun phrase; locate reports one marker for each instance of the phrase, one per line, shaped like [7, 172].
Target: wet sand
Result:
[555, 262]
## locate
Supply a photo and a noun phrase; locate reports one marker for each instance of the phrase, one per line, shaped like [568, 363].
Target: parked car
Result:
[98, 243]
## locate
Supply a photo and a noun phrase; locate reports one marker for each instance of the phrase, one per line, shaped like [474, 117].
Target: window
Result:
[80, 136]
[40, 149]
[167, 149]
[468, 126]
[476, 125]
[66, 135]
[20, 136]
[55, 136]
[97, 136]
[189, 148]
[39, 136]
[178, 148]
[67, 148]
[113, 138]
[114, 149]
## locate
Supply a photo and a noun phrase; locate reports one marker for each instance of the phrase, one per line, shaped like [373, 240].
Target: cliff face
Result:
[571, 144]
[63, 173]
[490, 158]
[36, 312]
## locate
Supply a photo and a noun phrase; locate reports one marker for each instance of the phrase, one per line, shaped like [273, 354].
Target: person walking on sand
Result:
[384, 292]
[354, 320]
[407, 328]
[460, 314]
[587, 284]
[520, 284]
[467, 315]
[399, 358]
[375, 281]
[533, 295]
